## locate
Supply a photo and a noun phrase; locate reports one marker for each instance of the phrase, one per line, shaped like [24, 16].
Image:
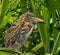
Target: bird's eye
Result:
[32, 17]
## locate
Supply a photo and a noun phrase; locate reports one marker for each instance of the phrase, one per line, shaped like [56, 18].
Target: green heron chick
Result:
[18, 34]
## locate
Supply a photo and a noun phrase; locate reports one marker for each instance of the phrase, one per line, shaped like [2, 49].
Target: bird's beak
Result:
[37, 20]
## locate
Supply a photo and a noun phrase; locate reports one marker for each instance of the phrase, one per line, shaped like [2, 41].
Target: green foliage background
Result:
[45, 39]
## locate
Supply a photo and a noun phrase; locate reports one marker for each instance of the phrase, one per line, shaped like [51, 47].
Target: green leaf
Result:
[46, 16]
[4, 9]
[55, 47]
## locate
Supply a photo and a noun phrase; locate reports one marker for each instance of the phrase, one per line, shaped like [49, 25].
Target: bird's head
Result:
[30, 17]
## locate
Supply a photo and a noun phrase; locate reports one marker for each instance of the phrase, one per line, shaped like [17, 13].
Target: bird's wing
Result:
[13, 37]
[16, 36]
[11, 32]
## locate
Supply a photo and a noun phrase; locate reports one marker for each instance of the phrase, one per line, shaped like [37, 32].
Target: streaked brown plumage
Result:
[17, 35]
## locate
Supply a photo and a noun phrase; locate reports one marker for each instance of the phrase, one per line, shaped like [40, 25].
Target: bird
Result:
[18, 34]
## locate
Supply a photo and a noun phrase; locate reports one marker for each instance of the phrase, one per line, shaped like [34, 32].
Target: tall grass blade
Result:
[46, 16]
[55, 47]
[4, 8]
